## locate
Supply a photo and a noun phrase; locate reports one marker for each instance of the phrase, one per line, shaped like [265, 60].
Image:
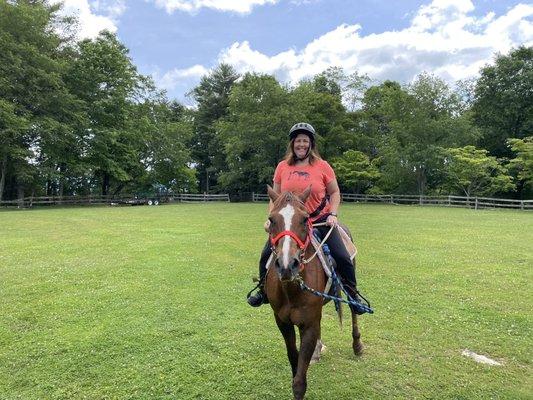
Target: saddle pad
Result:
[350, 246]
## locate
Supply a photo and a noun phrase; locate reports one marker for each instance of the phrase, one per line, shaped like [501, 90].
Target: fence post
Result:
[449, 200]
[476, 204]
[521, 204]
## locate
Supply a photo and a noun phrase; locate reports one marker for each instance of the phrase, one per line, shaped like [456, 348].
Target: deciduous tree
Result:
[473, 172]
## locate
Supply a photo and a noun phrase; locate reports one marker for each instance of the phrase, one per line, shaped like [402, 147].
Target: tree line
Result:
[77, 118]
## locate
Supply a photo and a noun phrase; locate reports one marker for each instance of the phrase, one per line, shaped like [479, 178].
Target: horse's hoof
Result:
[358, 349]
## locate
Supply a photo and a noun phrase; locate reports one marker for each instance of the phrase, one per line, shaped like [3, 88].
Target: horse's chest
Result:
[293, 315]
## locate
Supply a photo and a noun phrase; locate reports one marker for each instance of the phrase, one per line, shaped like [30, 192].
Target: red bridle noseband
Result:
[301, 244]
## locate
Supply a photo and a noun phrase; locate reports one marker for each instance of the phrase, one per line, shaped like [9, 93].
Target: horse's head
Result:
[289, 231]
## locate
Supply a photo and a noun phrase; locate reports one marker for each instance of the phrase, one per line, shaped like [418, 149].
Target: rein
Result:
[308, 260]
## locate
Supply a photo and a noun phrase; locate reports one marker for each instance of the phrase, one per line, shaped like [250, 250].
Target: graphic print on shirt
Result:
[299, 175]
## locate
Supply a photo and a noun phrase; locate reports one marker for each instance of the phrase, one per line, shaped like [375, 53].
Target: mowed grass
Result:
[149, 303]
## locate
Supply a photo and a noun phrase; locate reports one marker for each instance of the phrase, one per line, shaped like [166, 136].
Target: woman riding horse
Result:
[303, 167]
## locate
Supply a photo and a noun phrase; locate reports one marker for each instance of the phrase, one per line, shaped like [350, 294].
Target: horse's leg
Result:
[308, 339]
[287, 330]
[356, 336]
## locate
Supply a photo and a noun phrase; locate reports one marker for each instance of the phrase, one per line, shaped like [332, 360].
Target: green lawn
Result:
[148, 303]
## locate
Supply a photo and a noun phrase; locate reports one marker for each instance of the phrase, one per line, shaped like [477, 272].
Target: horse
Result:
[290, 235]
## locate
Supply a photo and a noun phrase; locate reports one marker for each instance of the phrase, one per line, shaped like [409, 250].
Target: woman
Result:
[302, 167]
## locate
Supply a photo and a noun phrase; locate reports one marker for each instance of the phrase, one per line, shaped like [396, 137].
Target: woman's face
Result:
[301, 145]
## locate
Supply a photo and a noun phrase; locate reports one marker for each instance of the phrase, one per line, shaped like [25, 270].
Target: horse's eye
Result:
[272, 222]
[304, 221]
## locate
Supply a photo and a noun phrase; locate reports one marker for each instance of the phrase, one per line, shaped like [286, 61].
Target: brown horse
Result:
[290, 232]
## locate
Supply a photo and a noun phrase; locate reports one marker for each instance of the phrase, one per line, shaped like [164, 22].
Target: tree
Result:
[212, 98]
[355, 171]
[327, 114]
[348, 88]
[167, 127]
[108, 83]
[473, 172]
[12, 141]
[408, 127]
[35, 103]
[254, 133]
[503, 105]
[523, 163]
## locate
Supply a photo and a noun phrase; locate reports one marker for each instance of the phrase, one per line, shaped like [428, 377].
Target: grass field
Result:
[148, 303]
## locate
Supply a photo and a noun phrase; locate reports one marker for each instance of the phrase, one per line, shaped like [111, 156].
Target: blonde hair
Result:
[290, 157]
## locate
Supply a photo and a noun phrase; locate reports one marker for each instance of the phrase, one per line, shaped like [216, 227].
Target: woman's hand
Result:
[332, 220]
[267, 225]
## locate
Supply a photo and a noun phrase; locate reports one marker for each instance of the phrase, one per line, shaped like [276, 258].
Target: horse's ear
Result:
[305, 194]
[272, 194]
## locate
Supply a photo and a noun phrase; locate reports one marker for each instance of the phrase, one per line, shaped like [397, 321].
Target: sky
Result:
[178, 41]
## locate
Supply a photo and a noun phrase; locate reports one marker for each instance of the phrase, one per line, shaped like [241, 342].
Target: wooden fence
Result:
[28, 202]
[194, 198]
[450, 201]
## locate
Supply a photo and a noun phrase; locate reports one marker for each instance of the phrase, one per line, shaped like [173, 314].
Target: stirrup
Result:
[257, 299]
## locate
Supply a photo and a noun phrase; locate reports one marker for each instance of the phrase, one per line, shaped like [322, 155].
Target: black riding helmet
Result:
[306, 129]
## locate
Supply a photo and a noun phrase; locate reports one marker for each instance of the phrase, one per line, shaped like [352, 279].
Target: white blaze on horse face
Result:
[287, 212]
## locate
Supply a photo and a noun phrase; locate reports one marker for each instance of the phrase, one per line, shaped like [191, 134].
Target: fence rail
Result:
[193, 198]
[28, 202]
[457, 201]
[451, 201]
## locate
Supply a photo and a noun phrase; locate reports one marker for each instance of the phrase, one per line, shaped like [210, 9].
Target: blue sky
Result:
[178, 41]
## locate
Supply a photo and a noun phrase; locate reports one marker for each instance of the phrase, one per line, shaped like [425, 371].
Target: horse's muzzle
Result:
[289, 272]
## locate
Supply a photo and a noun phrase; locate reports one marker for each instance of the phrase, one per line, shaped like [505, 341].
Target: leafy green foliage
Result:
[78, 118]
[255, 132]
[523, 163]
[475, 173]
[503, 105]
[35, 103]
[212, 96]
[409, 126]
[355, 171]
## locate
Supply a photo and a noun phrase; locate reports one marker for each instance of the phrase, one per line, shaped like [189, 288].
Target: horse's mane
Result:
[289, 197]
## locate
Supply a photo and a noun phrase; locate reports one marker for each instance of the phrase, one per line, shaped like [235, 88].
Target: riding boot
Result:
[260, 297]
[354, 294]
[349, 283]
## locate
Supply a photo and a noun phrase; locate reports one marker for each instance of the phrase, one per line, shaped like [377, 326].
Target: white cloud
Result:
[444, 38]
[179, 77]
[94, 16]
[192, 6]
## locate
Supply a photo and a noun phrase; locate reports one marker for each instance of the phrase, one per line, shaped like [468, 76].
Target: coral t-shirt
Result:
[293, 178]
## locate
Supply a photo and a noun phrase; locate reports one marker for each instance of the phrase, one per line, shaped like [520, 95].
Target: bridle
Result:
[302, 244]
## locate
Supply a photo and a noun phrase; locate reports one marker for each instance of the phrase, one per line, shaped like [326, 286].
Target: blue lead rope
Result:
[358, 306]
